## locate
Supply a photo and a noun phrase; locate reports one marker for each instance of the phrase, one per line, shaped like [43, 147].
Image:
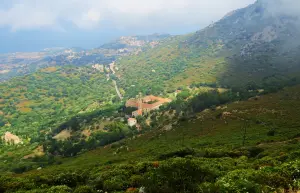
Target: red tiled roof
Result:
[131, 103]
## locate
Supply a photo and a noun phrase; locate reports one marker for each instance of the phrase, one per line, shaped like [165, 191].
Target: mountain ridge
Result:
[248, 45]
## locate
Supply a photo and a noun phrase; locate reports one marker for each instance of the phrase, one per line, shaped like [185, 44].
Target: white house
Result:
[132, 122]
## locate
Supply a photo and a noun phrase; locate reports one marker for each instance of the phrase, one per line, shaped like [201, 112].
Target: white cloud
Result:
[22, 16]
[88, 19]
[127, 14]
[93, 15]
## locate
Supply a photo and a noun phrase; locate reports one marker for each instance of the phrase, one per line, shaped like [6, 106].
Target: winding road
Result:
[117, 90]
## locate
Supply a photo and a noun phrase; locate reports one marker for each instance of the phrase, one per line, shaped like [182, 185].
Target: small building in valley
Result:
[137, 113]
[132, 122]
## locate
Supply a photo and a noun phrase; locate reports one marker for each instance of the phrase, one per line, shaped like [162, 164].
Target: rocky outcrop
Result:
[63, 135]
[11, 139]
[268, 34]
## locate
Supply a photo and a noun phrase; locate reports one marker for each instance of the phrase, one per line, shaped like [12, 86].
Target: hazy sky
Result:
[89, 23]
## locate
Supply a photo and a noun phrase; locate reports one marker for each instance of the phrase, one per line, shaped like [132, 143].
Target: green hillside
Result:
[38, 106]
[232, 125]
[247, 46]
[246, 146]
[53, 94]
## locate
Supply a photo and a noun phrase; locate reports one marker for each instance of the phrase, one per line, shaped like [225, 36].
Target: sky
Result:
[31, 25]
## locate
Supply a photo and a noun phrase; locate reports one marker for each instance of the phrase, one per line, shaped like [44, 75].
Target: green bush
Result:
[272, 179]
[143, 167]
[59, 189]
[291, 172]
[136, 180]
[114, 184]
[13, 184]
[294, 155]
[207, 187]
[178, 175]
[254, 151]
[178, 153]
[239, 181]
[271, 132]
[83, 189]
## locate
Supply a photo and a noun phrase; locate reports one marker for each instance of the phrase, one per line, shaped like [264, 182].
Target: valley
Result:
[216, 110]
[213, 138]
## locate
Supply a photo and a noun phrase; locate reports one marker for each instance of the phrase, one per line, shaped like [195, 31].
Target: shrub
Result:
[59, 189]
[143, 167]
[136, 180]
[13, 184]
[21, 168]
[272, 178]
[178, 153]
[215, 153]
[70, 179]
[254, 151]
[207, 187]
[271, 132]
[114, 184]
[291, 171]
[239, 181]
[294, 155]
[178, 175]
[84, 189]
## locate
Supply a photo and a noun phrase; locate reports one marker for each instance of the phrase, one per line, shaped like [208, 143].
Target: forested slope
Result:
[247, 146]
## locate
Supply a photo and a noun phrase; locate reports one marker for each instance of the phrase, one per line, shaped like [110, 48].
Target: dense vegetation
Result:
[239, 147]
[233, 124]
[38, 106]
[37, 100]
[245, 47]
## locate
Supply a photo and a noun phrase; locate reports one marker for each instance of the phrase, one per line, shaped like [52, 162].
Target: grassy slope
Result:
[210, 133]
[264, 163]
